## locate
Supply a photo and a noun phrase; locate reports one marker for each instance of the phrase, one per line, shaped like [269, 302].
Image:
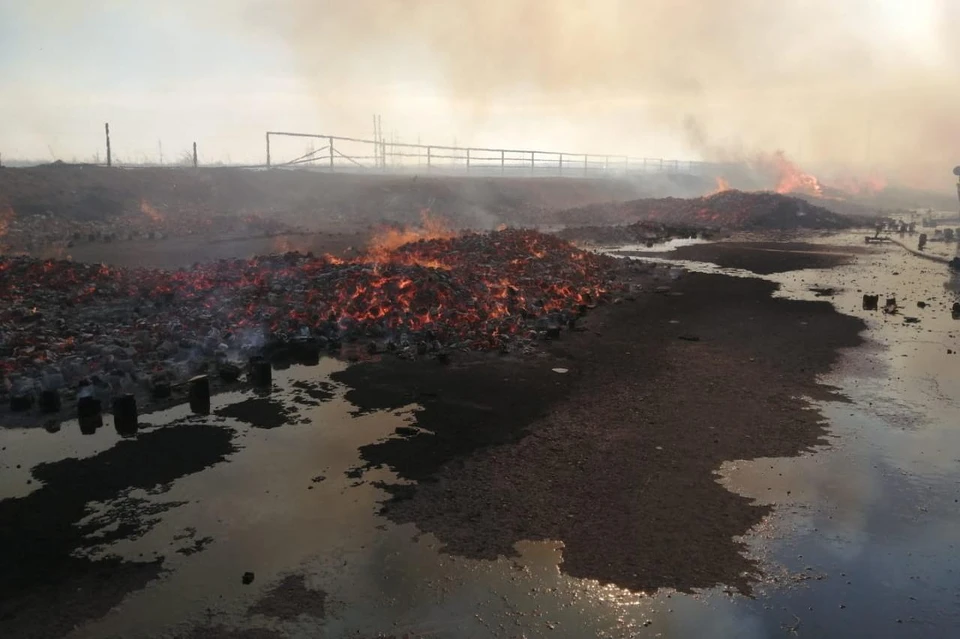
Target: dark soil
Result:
[617, 457]
[290, 599]
[260, 412]
[765, 258]
[338, 202]
[45, 582]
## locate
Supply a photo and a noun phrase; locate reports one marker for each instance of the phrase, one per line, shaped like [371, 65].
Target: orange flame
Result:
[383, 245]
[151, 212]
[722, 185]
[790, 179]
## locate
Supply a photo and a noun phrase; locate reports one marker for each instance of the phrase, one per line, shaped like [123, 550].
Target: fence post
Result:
[331, 153]
[561, 164]
[586, 171]
[106, 128]
[468, 160]
[429, 154]
[532, 161]
[503, 161]
[268, 149]
[194, 155]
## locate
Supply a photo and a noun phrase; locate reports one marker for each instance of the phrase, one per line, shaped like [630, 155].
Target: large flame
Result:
[790, 179]
[722, 185]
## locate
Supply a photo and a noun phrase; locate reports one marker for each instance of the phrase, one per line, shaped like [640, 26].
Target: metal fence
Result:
[357, 154]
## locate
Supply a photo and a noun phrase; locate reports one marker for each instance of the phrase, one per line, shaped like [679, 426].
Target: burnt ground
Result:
[617, 457]
[766, 257]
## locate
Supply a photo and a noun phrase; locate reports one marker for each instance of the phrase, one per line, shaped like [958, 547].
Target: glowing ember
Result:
[151, 212]
[722, 185]
[478, 291]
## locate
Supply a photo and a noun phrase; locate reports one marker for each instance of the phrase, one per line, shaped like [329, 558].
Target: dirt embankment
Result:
[732, 209]
[616, 456]
[311, 199]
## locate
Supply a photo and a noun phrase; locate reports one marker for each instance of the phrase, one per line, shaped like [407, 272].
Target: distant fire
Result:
[151, 212]
[722, 185]
[790, 179]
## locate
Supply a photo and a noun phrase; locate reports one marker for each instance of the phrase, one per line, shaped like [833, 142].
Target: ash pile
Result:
[63, 324]
[731, 209]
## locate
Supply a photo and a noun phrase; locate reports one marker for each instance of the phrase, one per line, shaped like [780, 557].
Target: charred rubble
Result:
[66, 325]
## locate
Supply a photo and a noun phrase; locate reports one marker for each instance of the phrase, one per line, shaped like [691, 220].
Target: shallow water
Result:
[861, 543]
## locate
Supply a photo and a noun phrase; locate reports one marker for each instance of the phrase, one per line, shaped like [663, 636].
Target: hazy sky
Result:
[867, 84]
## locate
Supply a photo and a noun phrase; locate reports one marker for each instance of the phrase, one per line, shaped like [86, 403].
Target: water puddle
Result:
[862, 541]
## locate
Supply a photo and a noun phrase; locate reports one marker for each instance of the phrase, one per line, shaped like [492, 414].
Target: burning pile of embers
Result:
[62, 323]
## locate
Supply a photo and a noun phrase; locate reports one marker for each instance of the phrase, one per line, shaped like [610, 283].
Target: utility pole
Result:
[194, 155]
[106, 128]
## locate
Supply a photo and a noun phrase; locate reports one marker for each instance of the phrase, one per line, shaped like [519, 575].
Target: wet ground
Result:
[154, 535]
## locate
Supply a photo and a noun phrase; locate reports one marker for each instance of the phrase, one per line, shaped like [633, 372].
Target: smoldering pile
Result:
[63, 322]
[731, 209]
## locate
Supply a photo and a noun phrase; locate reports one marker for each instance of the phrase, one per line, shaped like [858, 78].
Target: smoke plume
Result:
[859, 86]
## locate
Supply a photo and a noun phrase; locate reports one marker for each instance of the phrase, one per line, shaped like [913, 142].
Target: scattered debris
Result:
[247, 578]
[871, 302]
[560, 370]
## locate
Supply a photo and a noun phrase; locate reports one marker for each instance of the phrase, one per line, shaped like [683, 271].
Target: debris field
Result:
[62, 323]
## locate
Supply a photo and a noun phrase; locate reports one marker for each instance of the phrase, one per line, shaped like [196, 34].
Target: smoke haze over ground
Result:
[859, 87]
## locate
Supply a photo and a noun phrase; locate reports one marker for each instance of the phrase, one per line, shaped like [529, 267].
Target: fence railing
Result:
[358, 154]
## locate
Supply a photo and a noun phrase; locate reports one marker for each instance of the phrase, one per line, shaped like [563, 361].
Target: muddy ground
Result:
[616, 457]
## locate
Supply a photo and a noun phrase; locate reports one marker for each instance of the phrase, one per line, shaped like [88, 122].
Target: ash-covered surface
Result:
[765, 258]
[45, 534]
[727, 210]
[646, 232]
[128, 329]
[617, 457]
